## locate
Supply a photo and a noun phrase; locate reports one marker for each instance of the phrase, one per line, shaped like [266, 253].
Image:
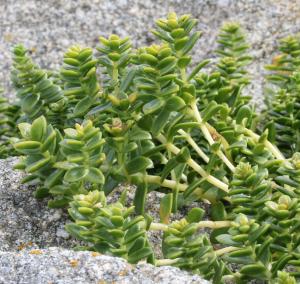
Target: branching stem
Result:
[193, 164]
[208, 136]
[273, 149]
[192, 142]
[225, 250]
[219, 252]
[201, 224]
[166, 183]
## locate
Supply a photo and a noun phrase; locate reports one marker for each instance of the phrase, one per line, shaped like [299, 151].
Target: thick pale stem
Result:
[197, 168]
[222, 156]
[201, 224]
[214, 225]
[222, 251]
[191, 141]
[158, 227]
[219, 252]
[166, 183]
[208, 136]
[171, 184]
[163, 262]
[203, 128]
[273, 149]
[211, 179]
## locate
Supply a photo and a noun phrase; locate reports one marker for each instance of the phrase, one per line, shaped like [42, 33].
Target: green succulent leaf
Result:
[226, 239]
[139, 254]
[259, 269]
[76, 174]
[165, 208]
[195, 215]
[138, 164]
[95, 176]
[28, 147]
[38, 128]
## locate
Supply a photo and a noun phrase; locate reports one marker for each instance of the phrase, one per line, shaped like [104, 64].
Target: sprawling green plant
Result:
[9, 114]
[282, 96]
[110, 228]
[61, 165]
[36, 88]
[79, 80]
[153, 121]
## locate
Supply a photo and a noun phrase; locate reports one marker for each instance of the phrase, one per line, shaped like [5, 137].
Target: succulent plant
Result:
[154, 121]
[80, 85]
[38, 93]
[282, 96]
[9, 114]
[61, 165]
[112, 228]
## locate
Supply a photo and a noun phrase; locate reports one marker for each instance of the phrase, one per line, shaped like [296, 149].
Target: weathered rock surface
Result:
[26, 222]
[61, 266]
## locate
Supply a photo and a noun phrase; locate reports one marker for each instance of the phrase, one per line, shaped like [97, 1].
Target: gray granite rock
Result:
[61, 266]
[26, 222]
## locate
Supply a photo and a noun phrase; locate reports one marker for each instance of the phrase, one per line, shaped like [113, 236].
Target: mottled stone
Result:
[26, 222]
[61, 266]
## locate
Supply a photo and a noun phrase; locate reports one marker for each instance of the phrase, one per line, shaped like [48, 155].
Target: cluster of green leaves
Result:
[157, 120]
[265, 221]
[230, 76]
[61, 165]
[110, 228]
[192, 251]
[9, 114]
[282, 116]
[36, 89]
[80, 84]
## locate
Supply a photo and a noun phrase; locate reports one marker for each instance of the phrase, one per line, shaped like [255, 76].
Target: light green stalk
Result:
[194, 165]
[208, 136]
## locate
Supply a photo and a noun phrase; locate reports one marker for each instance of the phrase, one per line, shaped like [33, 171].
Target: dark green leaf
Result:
[76, 174]
[165, 208]
[195, 215]
[95, 176]
[38, 128]
[138, 164]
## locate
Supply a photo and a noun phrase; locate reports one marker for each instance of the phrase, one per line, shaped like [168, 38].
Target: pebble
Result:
[61, 233]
